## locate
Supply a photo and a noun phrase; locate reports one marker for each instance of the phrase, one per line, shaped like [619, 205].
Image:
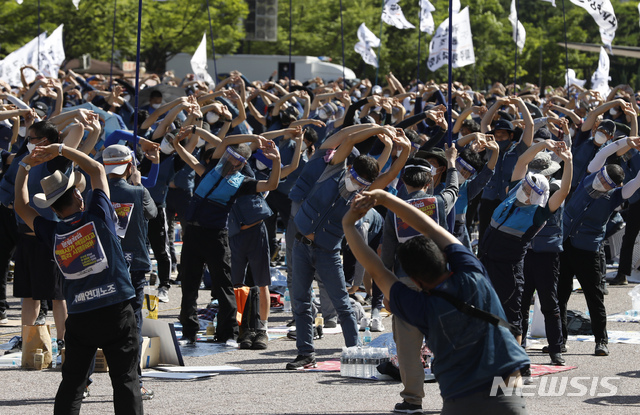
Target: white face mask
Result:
[303, 146]
[522, 196]
[127, 98]
[201, 142]
[212, 117]
[461, 178]
[22, 131]
[600, 138]
[260, 165]
[597, 185]
[613, 112]
[30, 147]
[156, 106]
[572, 131]
[350, 185]
[166, 147]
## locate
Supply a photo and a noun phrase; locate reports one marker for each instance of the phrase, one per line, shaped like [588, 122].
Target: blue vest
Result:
[631, 169]
[213, 198]
[165, 174]
[549, 239]
[247, 210]
[583, 153]
[309, 176]
[112, 284]
[322, 211]
[128, 204]
[585, 218]
[495, 189]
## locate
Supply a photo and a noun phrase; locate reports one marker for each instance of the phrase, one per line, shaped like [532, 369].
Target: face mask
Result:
[260, 165]
[303, 146]
[127, 98]
[156, 106]
[521, 196]
[613, 112]
[572, 131]
[600, 138]
[212, 117]
[350, 185]
[30, 147]
[166, 147]
[322, 114]
[597, 185]
[22, 131]
[504, 145]
[201, 142]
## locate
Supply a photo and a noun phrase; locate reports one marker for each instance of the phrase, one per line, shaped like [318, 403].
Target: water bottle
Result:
[351, 361]
[343, 362]
[366, 363]
[359, 363]
[287, 301]
[366, 338]
[54, 353]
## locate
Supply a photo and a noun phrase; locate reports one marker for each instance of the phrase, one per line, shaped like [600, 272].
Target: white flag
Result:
[455, 6]
[367, 53]
[76, 3]
[572, 80]
[392, 15]
[199, 62]
[553, 2]
[602, 12]
[462, 46]
[519, 34]
[600, 78]
[19, 1]
[26, 55]
[366, 36]
[426, 18]
[638, 7]
[52, 53]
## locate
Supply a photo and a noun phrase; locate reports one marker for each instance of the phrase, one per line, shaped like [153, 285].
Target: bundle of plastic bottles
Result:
[362, 362]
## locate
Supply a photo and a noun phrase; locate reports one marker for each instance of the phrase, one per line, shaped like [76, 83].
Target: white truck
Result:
[260, 67]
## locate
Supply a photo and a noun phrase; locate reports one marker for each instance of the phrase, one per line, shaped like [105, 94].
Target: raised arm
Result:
[555, 201]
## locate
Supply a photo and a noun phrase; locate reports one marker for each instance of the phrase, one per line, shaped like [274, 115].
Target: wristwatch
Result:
[60, 147]
[26, 166]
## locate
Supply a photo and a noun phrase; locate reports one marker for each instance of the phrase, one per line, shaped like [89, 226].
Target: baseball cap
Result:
[116, 158]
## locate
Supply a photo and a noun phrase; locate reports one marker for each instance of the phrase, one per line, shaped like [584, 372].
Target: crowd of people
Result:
[542, 178]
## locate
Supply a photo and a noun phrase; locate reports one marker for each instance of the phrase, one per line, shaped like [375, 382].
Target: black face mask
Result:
[504, 145]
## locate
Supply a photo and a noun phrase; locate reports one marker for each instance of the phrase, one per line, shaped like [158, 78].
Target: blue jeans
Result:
[306, 261]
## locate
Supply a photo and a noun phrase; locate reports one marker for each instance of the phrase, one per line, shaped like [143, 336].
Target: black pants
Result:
[484, 215]
[138, 280]
[207, 246]
[159, 240]
[8, 241]
[632, 219]
[280, 204]
[541, 270]
[587, 267]
[113, 329]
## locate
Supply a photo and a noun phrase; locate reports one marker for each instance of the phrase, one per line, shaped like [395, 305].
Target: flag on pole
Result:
[392, 15]
[553, 2]
[600, 78]
[462, 46]
[570, 79]
[426, 18]
[76, 3]
[199, 62]
[365, 46]
[52, 53]
[455, 6]
[26, 55]
[519, 33]
[19, 1]
[602, 12]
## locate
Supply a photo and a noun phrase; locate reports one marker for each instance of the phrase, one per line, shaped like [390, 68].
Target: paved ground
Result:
[265, 387]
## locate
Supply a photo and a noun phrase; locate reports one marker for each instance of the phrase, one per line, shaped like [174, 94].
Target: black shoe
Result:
[563, 349]
[620, 279]
[86, 393]
[526, 372]
[3, 317]
[261, 340]
[605, 290]
[330, 324]
[291, 323]
[42, 318]
[191, 340]
[302, 362]
[405, 407]
[601, 349]
[557, 359]
[246, 340]
[317, 333]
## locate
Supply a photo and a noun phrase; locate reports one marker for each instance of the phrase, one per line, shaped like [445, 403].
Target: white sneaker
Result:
[163, 295]
[364, 323]
[376, 325]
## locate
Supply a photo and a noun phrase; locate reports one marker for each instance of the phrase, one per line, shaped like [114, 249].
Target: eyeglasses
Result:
[30, 139]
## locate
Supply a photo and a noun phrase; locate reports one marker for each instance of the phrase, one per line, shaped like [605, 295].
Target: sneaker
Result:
[317, 333]
[261, 340]
[563, 349]
[601, 349]
[291, 323]
[163, 294]
[3, 317]
[146, 393]
[364, 323]
[246, 339]
[60, 346]
[330, 324]
[153, 278]
[190, 340]
[86, 393]
[42, 319]
[302, 362]
[620, 279]
[405, 407]
[376, 325]
[557, 359]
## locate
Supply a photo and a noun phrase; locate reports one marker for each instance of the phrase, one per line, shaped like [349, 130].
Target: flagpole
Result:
[38, 34]
[342, 36]
[566, 52]
[113, 40]
[290, 27]
[449, 99]
[515, 65]
[380, 45]
[213, 45]
[419, 42]
[135, 114]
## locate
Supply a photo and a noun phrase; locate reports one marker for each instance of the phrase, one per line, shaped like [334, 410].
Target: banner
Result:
[199, 62]
[427, 205]
[519, 34]
[570, 79]
[602, 12]
[600, 78]
[123, 213]
[392, 15]
[462, 43]
[426, 18]
[79, 253]
[26, 55]
[366, 36]
[52, 53]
